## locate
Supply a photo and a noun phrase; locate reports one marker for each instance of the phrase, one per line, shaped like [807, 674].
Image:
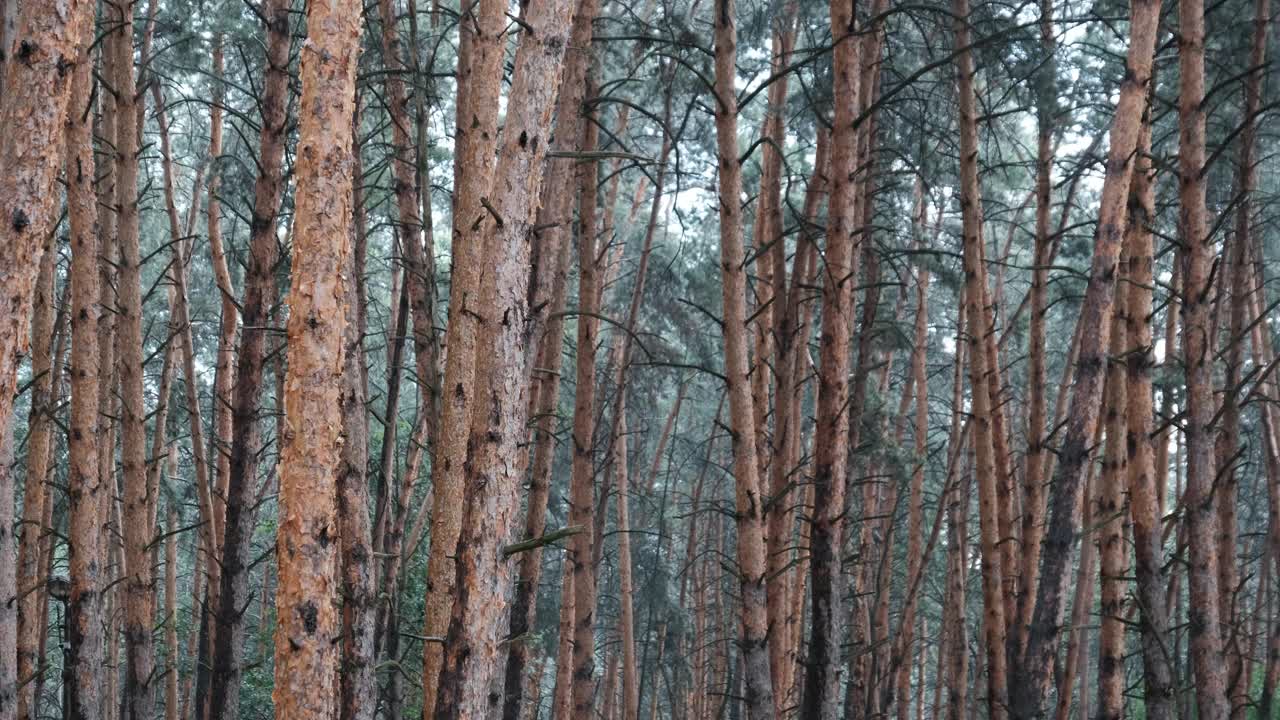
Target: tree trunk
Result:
[230, 585]
[749, 502]
[1109, 514]
[86, 496]
[306, 658]
[1205, 613]
[1033, 472]
[915, 510]
[1144, 498]
[479, 83]
[550, 269]
[985, 466]
[36, 92]
[582, 480]
[471, 680]
[139, 693]
[358, 684]
[1031, 684]
[31, 616]
[820, 698]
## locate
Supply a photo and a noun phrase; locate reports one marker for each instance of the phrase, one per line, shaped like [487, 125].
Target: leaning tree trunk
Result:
[307, 596]
[749, 502]
[1032, 679]
[470, 683]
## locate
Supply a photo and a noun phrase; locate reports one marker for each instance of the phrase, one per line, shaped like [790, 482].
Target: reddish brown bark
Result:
[307, 594]
[1204, 613]
[85, 493]
[1144, 497]
[758, 686]
[1032, 679]
[474, 652]
[550, 270]
[230, 585]
[831, 444]
[31, 615]
[476, 137]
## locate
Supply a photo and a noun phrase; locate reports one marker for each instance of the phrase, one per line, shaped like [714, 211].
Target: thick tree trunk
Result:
[749, 503]
[36, 92]
[307, 596]
[471, 680]
[1031, 682]
[230, 585]
[479, 83]
[550, 269]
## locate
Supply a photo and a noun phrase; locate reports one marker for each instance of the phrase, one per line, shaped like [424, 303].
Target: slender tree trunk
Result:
[1109, 514]
[626, 620]
[822, 676]
[1144, 497]
[471, 680]
[306, 658]
[171, 668]
[1033, 472]
[1081, 605]
[582, 480]
[1242, 242]
[419, 260]
[985, 466]
[1206, 655]
[1031, 683]
[562, 695]
[139, 693]
[230, 585]
[915, 512]
[358, 684]
[40, 426]
[479, 83]
[82, 673]
[749, 502]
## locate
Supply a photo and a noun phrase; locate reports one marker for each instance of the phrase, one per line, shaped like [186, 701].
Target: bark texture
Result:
[307, 607]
